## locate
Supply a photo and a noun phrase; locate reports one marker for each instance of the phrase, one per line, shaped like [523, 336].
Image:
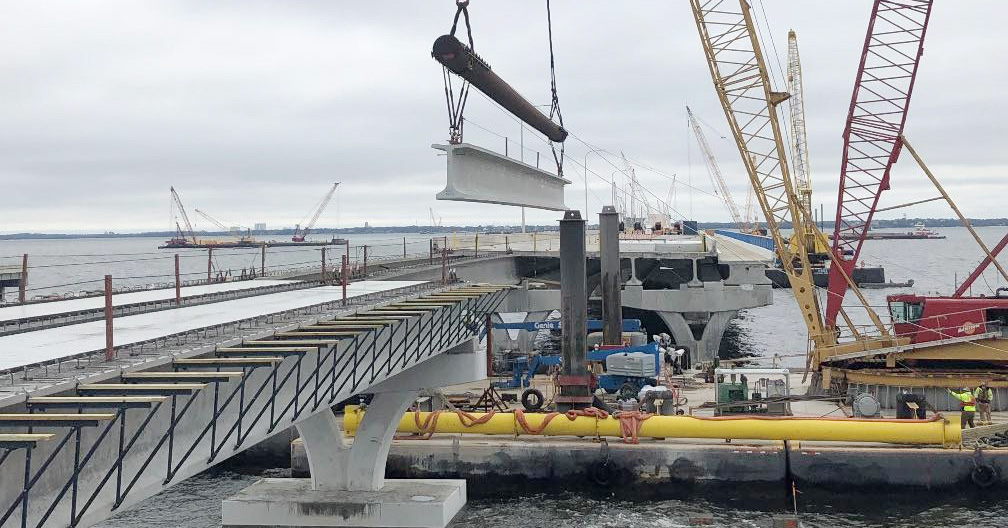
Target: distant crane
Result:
[715, 172]
[752, 223]
[640, 206]
[435, 220]
[299, 233]
[187, 235]
[799, 143]
[246, 237]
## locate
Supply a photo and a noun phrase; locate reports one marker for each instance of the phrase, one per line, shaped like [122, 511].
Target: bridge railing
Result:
[756, 240]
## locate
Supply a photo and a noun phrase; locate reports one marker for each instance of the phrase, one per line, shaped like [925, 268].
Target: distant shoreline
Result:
[902, 223]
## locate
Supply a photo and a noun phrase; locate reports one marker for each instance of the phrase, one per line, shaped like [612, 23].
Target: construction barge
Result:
[497, 450]
[185, 237]
[175, 243]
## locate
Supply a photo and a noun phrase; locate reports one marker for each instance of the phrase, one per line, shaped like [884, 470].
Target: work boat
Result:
[921, 231]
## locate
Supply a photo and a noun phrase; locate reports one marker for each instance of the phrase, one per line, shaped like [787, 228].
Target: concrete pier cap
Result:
[347, 485]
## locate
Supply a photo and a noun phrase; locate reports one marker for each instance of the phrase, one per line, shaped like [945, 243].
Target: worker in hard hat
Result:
[967, 402]
[983, 395]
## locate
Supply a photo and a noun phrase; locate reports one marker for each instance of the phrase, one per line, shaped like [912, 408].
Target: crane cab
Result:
[925, 319]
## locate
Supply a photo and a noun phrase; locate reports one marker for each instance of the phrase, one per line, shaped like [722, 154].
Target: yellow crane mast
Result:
[799, 142]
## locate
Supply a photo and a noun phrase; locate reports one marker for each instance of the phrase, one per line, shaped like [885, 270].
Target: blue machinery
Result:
[625, 369]
[594, 325]
[524, 368]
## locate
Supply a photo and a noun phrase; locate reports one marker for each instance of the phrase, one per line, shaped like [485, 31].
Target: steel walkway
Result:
[73, 459]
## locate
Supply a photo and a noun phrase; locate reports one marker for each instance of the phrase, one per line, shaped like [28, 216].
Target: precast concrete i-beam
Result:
[164, 428]
[478, 175]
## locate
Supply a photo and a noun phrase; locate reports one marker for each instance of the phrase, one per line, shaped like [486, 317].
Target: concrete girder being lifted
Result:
[478, 175]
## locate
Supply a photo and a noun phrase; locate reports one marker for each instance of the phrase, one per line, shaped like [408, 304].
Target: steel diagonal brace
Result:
[300, 387]
[30, 482]
[73, 480]
[962, 218]
[271, 405]
[117, 467]
[168, 434]
[211, 425]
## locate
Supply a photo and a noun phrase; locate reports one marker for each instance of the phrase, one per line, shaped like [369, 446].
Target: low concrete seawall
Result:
[933, 468]
[498, 465]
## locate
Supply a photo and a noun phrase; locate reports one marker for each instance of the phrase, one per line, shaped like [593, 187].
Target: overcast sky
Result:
[251, 109]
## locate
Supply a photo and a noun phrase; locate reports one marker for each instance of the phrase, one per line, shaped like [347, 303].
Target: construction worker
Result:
[967, 402]
[983, 395]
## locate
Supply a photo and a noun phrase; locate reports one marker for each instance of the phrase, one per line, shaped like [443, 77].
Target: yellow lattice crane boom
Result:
[799, 144]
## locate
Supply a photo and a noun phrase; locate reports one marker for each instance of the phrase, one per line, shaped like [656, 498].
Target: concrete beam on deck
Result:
[478, 175]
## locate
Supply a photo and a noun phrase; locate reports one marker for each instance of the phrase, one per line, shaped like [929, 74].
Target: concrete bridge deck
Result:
[66, 342]
[49, 308]
[730, 249]
[38, 315]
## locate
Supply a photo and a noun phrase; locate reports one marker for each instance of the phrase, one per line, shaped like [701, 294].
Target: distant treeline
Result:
[288, 232]
[899, 223]
[876, 224]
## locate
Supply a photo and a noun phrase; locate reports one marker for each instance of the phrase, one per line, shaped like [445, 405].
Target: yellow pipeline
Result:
[938, 431]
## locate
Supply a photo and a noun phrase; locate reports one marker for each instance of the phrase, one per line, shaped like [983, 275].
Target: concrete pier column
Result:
[360, 466]
[714, 324]
[348, 485]
[574, 379]
[609, 255]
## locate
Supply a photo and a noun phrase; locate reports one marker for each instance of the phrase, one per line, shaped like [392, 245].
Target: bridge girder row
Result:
[167, 425]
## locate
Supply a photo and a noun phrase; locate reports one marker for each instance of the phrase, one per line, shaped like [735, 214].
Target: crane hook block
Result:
[465, 63]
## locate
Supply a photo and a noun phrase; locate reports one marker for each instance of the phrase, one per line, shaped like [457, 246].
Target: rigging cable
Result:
[456, 106]
[555, 101]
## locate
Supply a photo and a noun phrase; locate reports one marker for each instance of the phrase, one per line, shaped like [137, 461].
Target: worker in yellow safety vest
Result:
[984, 395]
[967, 402]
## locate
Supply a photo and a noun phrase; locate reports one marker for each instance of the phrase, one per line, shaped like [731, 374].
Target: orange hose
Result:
[571, 415]
[630, 424]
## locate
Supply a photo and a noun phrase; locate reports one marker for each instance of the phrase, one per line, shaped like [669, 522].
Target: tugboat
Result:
[921, 231]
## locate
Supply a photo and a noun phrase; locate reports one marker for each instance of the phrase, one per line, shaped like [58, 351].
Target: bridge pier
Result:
[347, 485]
[706, 347]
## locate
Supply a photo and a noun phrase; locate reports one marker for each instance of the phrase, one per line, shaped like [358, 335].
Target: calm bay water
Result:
[934, 265]
[76, 265]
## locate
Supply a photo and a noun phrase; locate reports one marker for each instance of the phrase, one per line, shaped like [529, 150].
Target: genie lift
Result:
[622, 370]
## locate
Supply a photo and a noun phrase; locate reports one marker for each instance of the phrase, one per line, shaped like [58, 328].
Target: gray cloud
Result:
[252, 108]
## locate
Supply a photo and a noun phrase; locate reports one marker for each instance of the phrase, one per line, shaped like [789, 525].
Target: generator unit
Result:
[626, 369]
[631, 364]
[731, 392]
[752, 391]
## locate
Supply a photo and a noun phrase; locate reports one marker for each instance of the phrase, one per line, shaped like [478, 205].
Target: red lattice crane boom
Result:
[885, 79]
